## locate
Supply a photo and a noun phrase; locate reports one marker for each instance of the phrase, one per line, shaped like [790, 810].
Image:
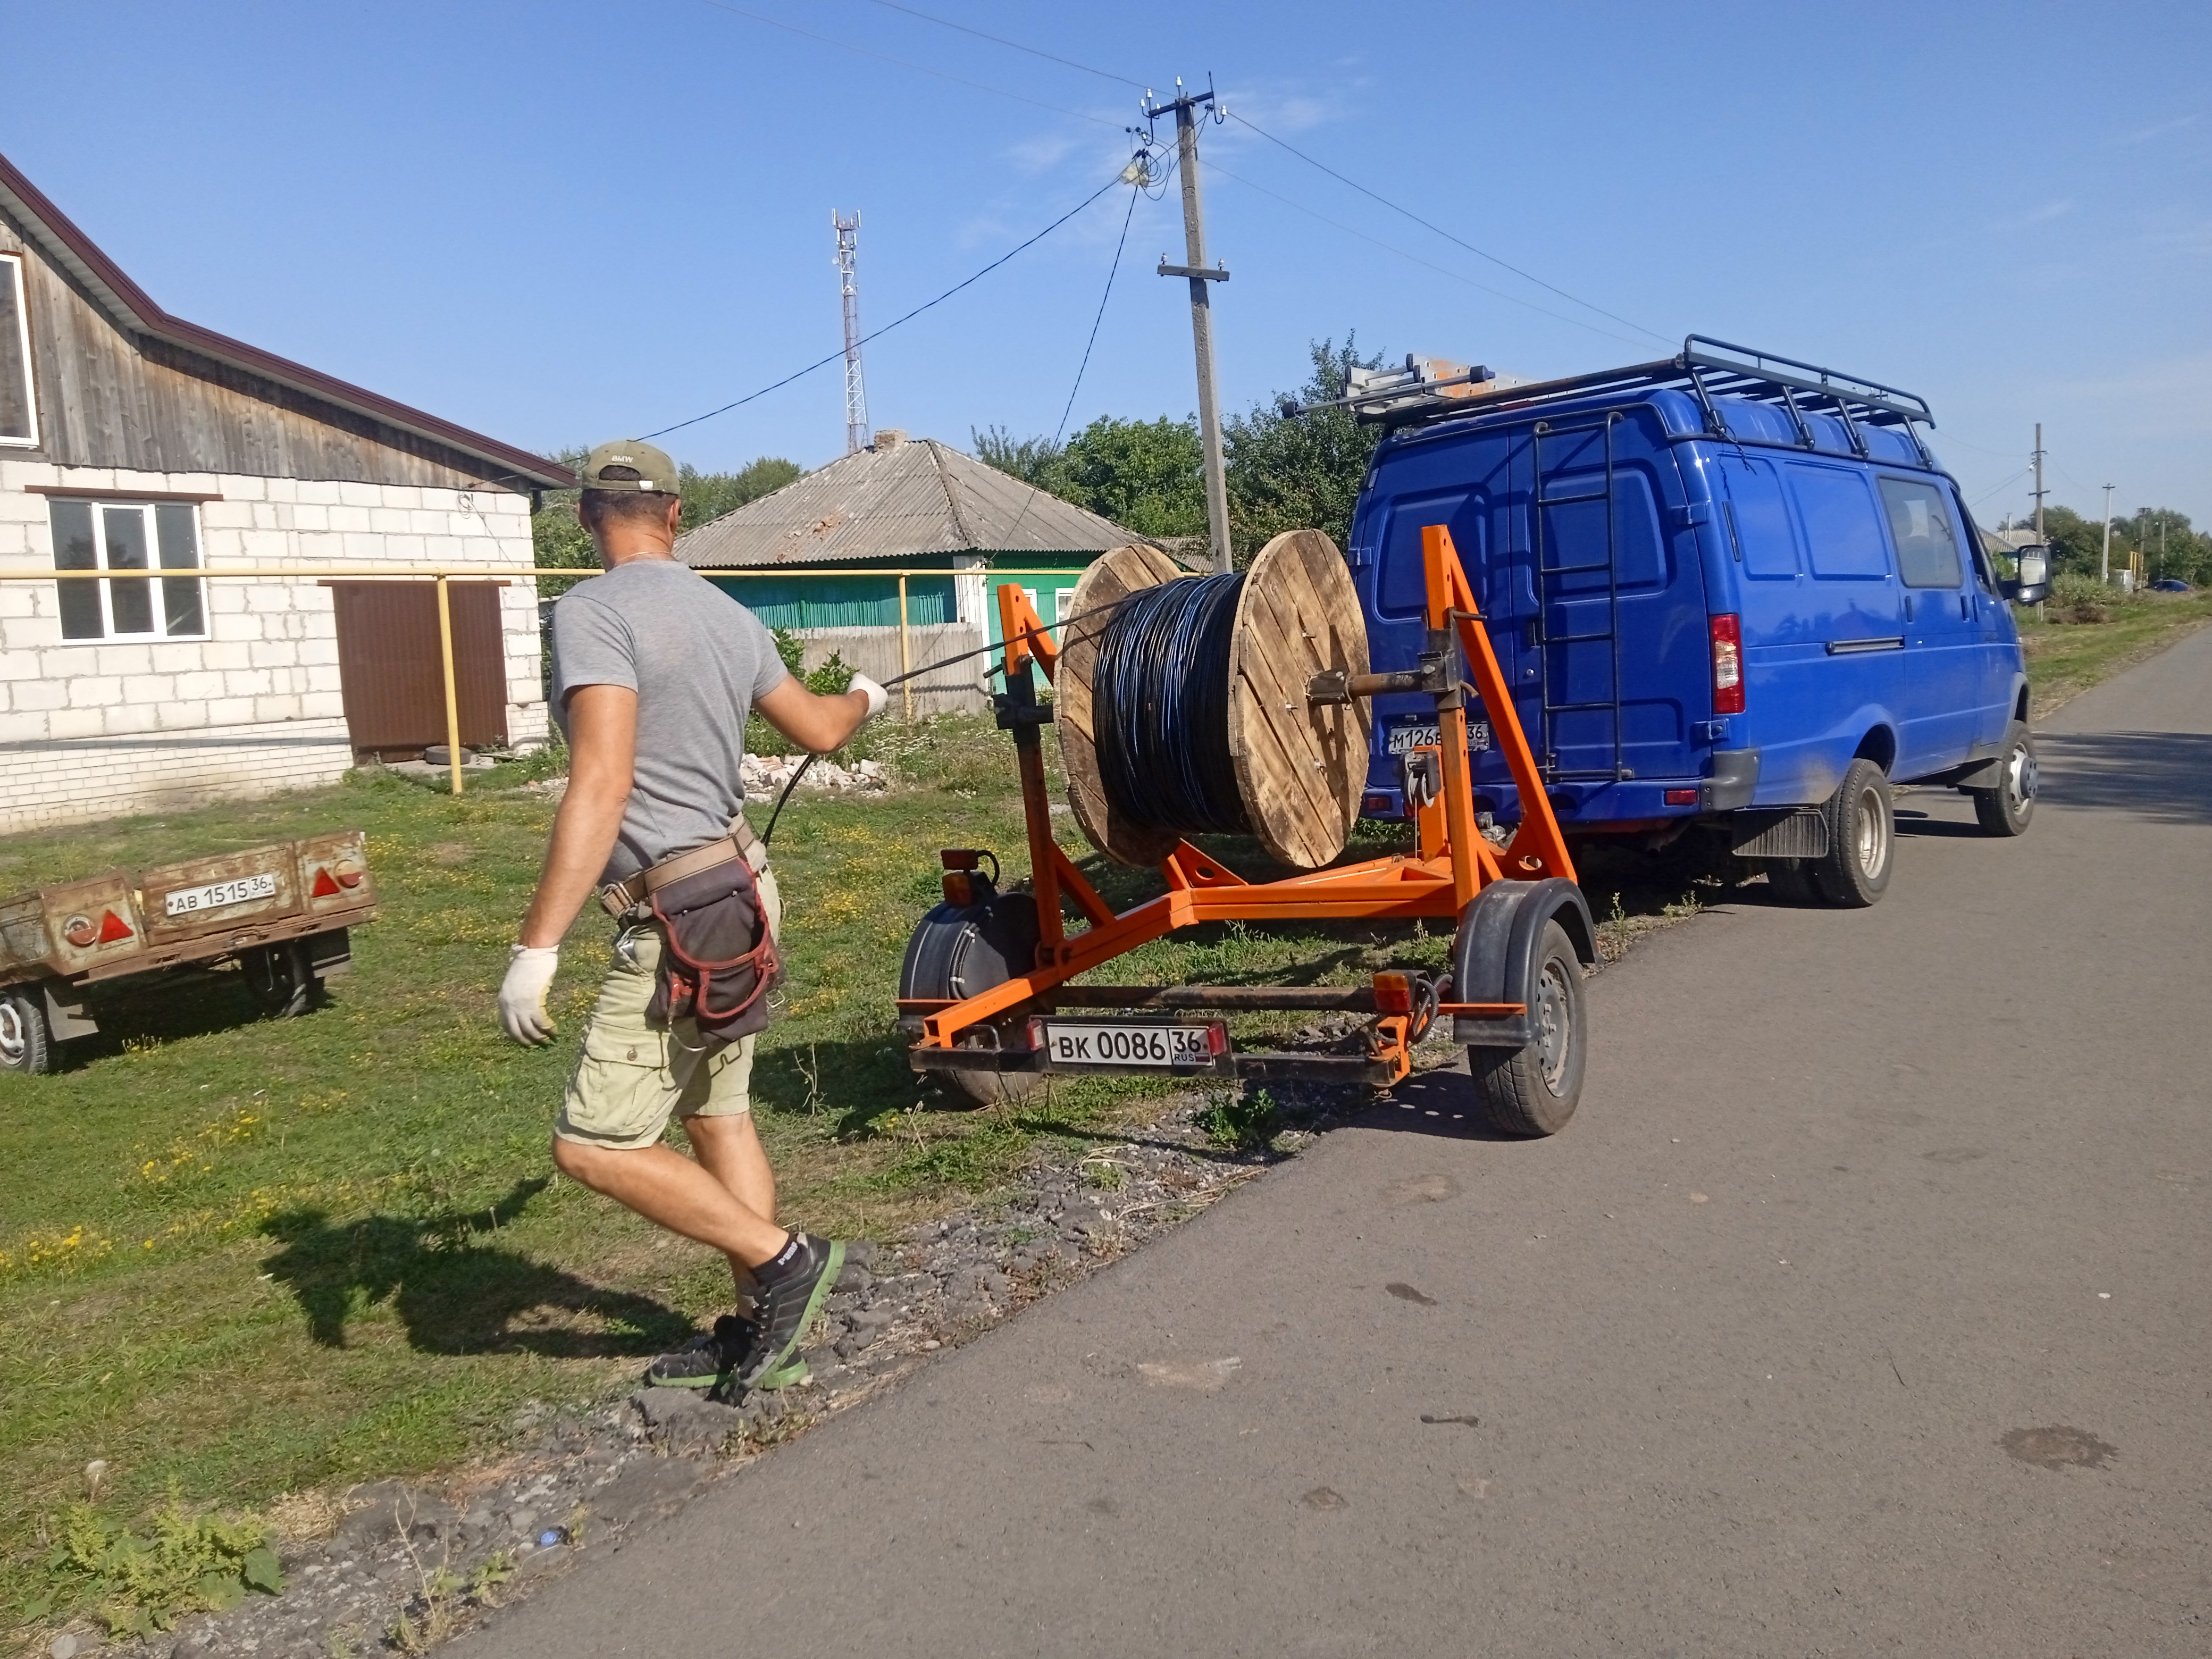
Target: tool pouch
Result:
[719, 961]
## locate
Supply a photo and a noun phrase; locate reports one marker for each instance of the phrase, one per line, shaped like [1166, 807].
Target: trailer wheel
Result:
[2005, 809]
[1534, 1090]
[282, 978]
[1861, 840]
[26, 1041]
[963, 951]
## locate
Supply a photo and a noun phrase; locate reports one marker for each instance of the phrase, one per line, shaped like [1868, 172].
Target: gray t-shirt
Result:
[696, 659]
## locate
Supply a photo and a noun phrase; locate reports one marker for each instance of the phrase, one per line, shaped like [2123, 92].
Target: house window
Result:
[125, 537]
[19, 410]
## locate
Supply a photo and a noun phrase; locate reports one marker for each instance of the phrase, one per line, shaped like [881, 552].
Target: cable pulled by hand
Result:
[875, 694]
[522, 1011]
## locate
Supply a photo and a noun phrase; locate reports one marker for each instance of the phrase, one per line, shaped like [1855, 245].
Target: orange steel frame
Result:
[1452, 862]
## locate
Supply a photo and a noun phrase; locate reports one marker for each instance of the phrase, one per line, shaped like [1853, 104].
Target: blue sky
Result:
[564, 221]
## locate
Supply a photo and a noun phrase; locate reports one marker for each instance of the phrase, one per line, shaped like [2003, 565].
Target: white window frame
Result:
[11, 271]
[154, 573]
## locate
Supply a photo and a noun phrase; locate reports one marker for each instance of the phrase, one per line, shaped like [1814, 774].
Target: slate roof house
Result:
[901, 503]
[132, 441]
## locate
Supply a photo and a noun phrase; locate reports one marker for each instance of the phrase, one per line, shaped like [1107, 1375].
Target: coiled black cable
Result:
[1159, 697]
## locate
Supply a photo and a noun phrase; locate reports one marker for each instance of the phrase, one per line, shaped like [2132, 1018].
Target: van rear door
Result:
[1614, 634]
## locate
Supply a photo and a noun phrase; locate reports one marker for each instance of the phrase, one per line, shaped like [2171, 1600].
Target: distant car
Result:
[2171, 585]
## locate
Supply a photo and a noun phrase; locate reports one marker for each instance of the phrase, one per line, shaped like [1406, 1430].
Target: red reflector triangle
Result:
[112, 927]
[325, 885]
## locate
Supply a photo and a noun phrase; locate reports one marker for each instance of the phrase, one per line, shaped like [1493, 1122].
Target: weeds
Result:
[1243, 1123]
[140, 1584]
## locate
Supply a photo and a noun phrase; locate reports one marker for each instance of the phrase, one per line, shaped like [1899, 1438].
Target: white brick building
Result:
[131, 442]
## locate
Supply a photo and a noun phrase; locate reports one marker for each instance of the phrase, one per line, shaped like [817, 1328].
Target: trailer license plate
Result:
[1422, 734]
[1117, 1044]
[217, 895]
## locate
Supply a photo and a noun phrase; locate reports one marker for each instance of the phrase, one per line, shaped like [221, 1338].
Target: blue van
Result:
[1734, 593]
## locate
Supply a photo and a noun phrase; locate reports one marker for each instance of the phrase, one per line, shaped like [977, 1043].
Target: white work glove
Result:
[522, 994]
[876, 694]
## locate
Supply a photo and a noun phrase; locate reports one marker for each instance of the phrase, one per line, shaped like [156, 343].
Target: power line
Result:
[1001, 41]
[837, 355]
[902, 63]
[1068, 408]
[1429, 225]
[1428, 264]
[2006, 484]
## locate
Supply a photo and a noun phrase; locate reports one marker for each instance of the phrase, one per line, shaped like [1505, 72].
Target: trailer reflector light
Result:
[1217, 1038]
[326, 885]
[959, 888]
[1728, 665]
[1681, 797]
[1394, 993]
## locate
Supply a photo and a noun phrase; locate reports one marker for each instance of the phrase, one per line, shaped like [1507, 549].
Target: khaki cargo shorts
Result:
[632, 1077]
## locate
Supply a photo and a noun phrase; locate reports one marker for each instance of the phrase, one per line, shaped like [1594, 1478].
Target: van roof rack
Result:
[1706, 367]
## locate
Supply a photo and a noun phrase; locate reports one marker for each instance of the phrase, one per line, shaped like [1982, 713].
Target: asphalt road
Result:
[1864, 1308]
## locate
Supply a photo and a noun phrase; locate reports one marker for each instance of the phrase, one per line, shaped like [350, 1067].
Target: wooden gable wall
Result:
[108, 399]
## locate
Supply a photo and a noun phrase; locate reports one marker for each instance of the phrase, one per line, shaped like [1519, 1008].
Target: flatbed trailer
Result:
[282, 911]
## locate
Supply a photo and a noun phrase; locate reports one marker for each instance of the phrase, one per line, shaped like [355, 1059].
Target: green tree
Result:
[1294, 472]
[1148, 477]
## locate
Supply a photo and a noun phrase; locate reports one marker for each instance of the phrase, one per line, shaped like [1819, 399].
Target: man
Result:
[654, 671]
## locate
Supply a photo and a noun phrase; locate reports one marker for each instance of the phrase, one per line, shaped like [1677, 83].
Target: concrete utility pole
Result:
[2104, 564]
[2039, 480]
[856, 395]
[1185, 107]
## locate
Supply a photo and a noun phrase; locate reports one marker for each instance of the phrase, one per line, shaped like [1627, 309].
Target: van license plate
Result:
[219, 895]
[1419, 733]
[1070, 1046]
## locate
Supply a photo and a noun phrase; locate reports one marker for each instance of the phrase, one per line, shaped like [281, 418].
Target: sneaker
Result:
[714, 1357]
[786, 1304]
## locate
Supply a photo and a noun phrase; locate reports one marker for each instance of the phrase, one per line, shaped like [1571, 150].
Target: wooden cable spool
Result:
[1300, 767]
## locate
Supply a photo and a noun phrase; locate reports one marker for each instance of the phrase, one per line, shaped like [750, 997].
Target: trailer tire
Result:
[1861, 840]
[960, 952]
[282, 978]
[2005, 809]
[1535, 1089]
[27, 1041]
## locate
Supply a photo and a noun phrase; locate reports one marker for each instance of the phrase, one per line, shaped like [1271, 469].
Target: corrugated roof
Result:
[900, 498]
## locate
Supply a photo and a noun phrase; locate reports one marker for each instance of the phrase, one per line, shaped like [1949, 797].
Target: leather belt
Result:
[618, 898]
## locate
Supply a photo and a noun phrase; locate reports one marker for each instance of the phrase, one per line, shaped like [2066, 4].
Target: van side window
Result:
[1760, 517]
[1842, 532]
[1920, 524]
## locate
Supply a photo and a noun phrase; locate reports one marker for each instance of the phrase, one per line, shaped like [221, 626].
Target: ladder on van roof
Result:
[1547, 594]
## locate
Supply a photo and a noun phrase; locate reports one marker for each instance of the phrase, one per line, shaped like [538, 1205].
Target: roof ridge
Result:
[952, 495]
[89, 264]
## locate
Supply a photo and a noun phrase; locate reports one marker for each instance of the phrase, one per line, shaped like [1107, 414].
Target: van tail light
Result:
[1728, 665]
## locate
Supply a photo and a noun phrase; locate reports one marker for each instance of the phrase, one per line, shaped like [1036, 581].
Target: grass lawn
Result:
[2066, 658]
[241, 1257]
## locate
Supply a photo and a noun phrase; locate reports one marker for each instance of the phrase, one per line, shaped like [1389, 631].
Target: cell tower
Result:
[856, 394]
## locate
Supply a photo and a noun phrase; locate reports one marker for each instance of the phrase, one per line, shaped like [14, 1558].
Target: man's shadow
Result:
[456, 1293]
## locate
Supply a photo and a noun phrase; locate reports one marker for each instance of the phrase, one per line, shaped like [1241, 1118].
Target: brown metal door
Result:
[390, 672]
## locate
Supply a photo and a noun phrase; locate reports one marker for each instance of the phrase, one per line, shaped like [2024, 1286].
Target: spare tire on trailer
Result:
[961, 950]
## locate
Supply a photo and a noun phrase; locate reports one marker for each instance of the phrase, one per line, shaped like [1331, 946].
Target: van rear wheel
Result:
[2005, 809]
[1861, 840]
